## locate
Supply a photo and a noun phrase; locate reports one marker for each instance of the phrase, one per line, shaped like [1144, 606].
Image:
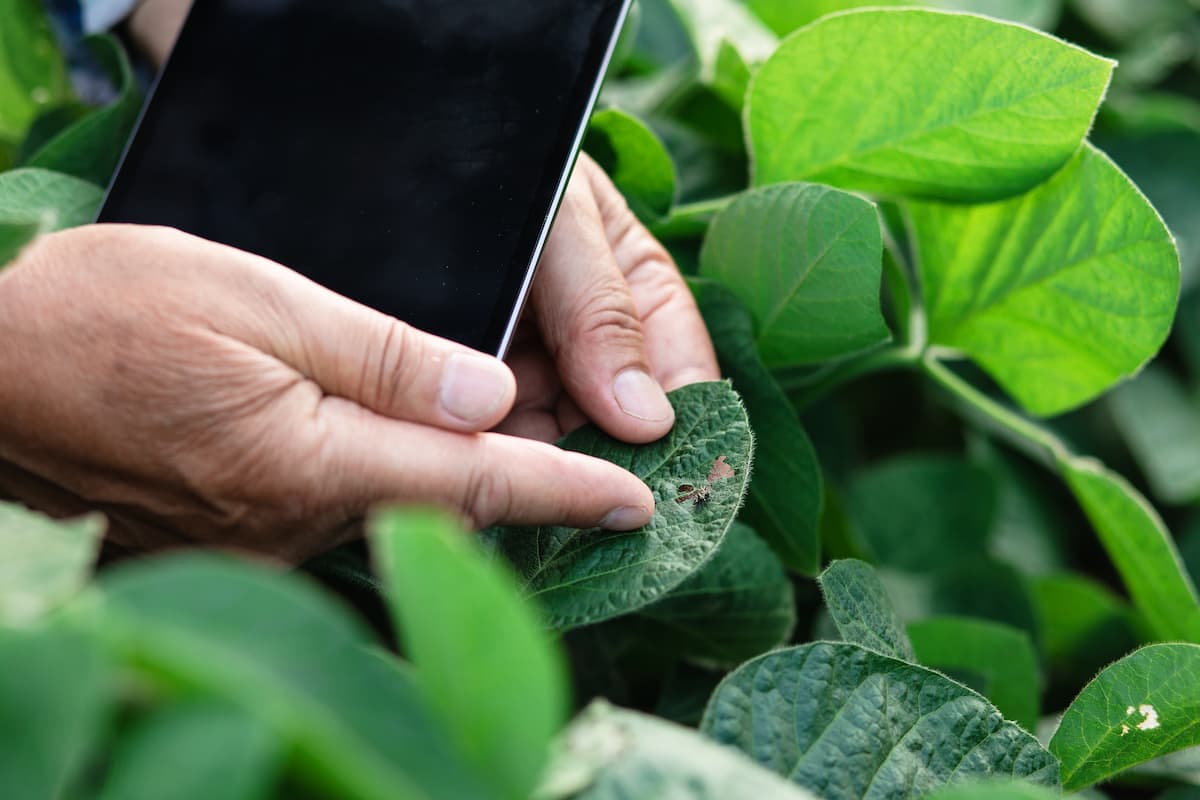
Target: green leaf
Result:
[1144, 706]
[923, 512]
[807, 261]
[15, 237]
[1084, 626]
[731, 76]
[585, 576]
[1002, 655]
[850, 723]
[33, 75]
[994, 790]
[612, 754]
[1140, 548]
[785, 16]
[1059, 293]
[636, 160]
[786, 494]
[53, 699]
[482, 658]
[43, 562]
[862, 610]
[1161, 425]
[738, 605]
[178, 751]
[988, 589]
[712, 22]
[860, 101]
[52, 199]
[280, 648]
[91, 148]
[1042, 14]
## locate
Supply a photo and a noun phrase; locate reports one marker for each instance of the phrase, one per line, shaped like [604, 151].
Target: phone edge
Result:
[576, 148]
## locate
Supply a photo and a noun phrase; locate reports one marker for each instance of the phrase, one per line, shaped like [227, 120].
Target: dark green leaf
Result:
[185, 751]
[1161, 425]
[922, 513]
[850, 723]
[862, 610]
[738, 605]
[585, 576]
[1002, 655]
[613, 754]
[15, 237]
[1140, 547]
[636, 160]
[988, 589]
[994, 790]
[807, 261]
[1144, 706]
[276, 646]
[53, 697]
[52, 199]
[785, 499]
[43, 562]
[1059, 293]
[482, 657]
[91, 148]
[860, 101]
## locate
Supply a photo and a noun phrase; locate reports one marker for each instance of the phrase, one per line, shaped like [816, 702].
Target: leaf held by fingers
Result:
[585, 576]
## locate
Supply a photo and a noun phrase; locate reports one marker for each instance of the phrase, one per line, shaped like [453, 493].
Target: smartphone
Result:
[408, 154]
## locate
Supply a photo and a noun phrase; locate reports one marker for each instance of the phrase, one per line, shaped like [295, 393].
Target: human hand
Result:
[197, 393]
[611, 324]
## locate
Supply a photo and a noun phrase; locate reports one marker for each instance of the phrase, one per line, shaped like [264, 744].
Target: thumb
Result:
[379, 362]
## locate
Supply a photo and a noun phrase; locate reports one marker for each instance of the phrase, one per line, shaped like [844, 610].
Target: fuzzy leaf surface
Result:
[806, 261]
[1140, 547]
[845, 723]
[861, 101]
[612, 754]
[786, 491]
[1059, 293]
[43, 562]
[584, 576]
[1144, 706]
[636, 160]
[497, 640]
[738, 605]
[862, 610]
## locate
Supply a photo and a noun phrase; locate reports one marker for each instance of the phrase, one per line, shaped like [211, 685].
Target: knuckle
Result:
[489, 495]
[607, 318]
[400, 363]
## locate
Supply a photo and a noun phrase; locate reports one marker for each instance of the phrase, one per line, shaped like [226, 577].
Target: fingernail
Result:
[473, 387]
[641, 397]
[626, 518]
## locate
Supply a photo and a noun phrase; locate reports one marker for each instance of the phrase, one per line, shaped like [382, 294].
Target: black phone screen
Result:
[408, 154]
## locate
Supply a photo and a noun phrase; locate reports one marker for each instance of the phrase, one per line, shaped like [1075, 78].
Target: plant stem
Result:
[690, 220]
[806, 389]
[1016, 428]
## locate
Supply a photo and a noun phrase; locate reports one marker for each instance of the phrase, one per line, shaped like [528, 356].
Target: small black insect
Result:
[699, 495]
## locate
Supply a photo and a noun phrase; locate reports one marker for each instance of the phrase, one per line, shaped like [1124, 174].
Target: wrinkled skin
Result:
[199, 394]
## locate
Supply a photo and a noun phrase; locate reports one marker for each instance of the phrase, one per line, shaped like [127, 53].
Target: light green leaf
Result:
[15, 237]
[91, 148]
[33, 75]
[1001, 655]
[482, 658]
[785, 16]
[712, 22]
[52, 199]
[585, 576]
[1140, 548]
[731, 76]
[860, 101]
[43, 562]
[1084, 626]
[53, 698]
[786, 495]
[636, 160]
[807, 261]
[738, 605]
[994, 790]
[290, 655]
[862, 610]
[1059, 293]
[847, 723]
[923, 512]
[1144, 706]
[1161, 425]
[179, 750]
[612, 754]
